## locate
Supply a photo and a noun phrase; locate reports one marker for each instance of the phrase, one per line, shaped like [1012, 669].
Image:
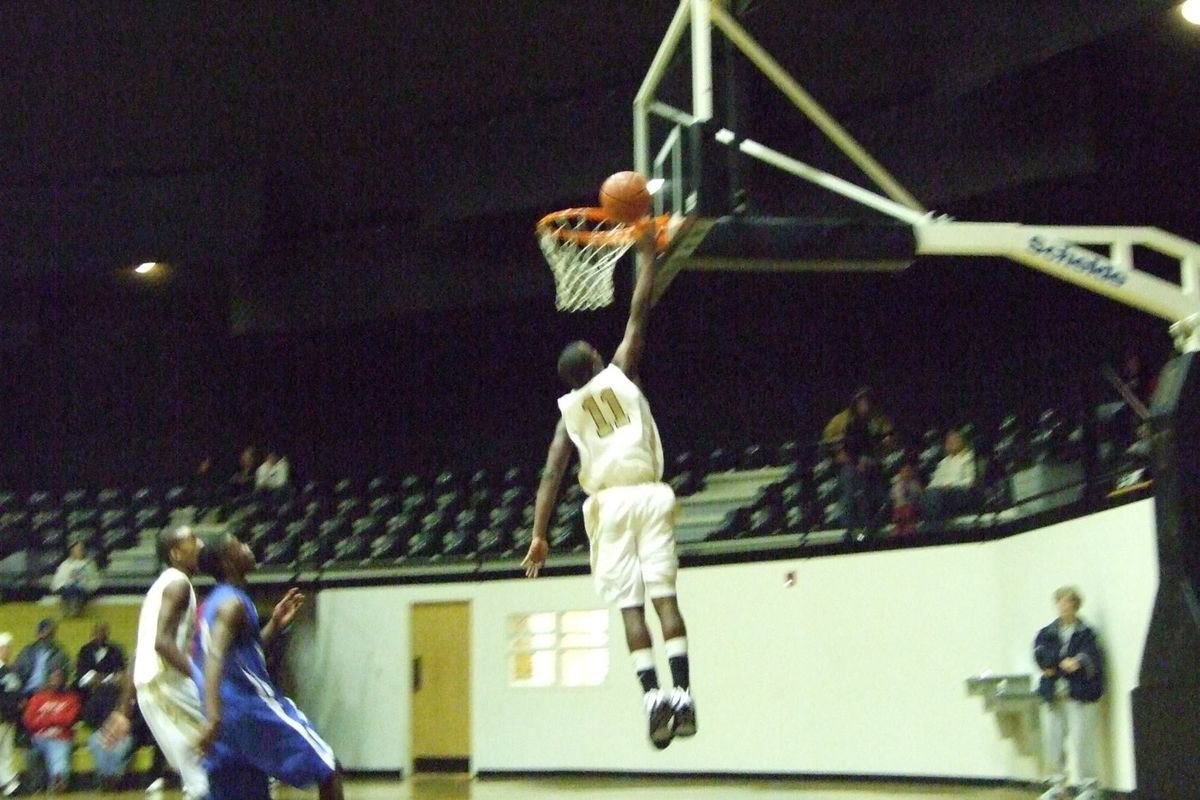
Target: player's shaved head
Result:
[578, 364]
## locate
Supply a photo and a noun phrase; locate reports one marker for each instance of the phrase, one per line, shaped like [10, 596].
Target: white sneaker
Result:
[156, 786]
[10, 788]
[683, 709]
[659, 715]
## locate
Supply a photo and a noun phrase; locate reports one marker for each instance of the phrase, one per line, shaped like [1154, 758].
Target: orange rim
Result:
[627, 234]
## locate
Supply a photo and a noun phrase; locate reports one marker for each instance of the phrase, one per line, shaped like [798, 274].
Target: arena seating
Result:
[728, 495]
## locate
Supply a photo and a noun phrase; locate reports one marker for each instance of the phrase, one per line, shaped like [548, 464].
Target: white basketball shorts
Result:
[632, 534]
[173, 714]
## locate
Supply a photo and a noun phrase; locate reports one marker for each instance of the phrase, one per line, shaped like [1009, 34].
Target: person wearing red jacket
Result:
[50, 717]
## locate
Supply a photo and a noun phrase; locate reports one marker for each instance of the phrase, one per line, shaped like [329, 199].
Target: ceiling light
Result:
[145, 268]
[1191, 11]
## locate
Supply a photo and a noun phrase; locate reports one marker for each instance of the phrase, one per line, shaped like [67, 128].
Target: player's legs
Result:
[660, 566]
[609, 521]
[268, 732]
[176, 723]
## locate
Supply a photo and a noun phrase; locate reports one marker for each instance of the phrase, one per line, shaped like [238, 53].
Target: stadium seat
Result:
[513, 497]
[260, 534]
[8, 502]
[109, 498]
[410, 484]
[353, 549]
[151, 516]
[721, 460]
[82, 517]
[51, 539]
[790, 452]
[1049, 438]
[141, 497]
[74, 498]
[344, 487]
[492, 542]
[39, 501]
[288, 510]
[280, 553]
[522, 535]
[384, 506]
[764, 520]
[823, 470]
[47, 518]
[416, 503]
[514, 476]
[378, 485]
[350, 508]
[685, 483]
[446, 481]
[114, 518]
[176, 497]
[752, 457]
[1011, 450]
[733, 523]
[118, 538]
[387, 546]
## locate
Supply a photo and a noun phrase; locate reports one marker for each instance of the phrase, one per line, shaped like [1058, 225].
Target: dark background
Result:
[346, 194]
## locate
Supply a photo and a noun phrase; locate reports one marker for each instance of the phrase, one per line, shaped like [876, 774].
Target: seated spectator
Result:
[99, 665]
[272, 475]
[906, 494]
[39, 657]
[10, 716]
[110, 758]
[951, 490]
[50, 717]
[242, 482]
[76, 580]
[860, 436]
[206, 488]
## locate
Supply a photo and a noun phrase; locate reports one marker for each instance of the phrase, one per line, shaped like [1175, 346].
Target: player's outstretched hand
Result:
[535, 559]
[114, 730]
[285, 609]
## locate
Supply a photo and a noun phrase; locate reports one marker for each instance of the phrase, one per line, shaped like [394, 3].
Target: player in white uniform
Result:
[630, 512]
[163, 675]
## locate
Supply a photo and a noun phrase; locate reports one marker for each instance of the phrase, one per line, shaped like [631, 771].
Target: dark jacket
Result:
[90, 660]
[1086, 685]
[10, 695]
[27, 658]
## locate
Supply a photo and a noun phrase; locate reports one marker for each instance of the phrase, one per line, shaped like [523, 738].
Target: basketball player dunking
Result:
[162, 672]
[630, 513]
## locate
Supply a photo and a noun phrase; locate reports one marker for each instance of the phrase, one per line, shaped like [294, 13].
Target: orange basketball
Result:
[623, 196]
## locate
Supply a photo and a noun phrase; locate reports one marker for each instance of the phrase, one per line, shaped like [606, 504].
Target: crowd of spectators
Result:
[42, 710]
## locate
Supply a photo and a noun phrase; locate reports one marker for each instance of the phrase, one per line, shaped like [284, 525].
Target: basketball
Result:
[623, 197]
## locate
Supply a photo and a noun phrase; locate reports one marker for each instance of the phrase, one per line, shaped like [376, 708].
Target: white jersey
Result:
[609, 422]
[148, 665]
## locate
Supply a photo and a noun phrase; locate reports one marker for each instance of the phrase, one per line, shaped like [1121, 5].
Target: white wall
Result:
[859, 668]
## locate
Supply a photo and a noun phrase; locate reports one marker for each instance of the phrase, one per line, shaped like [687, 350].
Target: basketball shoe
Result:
[683, 710]
[659, 714]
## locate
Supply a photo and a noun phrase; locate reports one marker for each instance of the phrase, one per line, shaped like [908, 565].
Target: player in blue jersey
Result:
[252, 731]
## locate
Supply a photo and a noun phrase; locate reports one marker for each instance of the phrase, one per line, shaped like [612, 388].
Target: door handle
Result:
[416, 674]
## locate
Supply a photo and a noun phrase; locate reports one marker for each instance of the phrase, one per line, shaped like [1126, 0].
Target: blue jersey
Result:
[245, 665]
[262, 732]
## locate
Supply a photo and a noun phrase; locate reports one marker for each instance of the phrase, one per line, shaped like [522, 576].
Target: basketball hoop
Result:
[583, 246]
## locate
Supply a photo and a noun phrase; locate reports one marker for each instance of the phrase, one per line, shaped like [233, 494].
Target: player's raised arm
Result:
[629, 354]
[557, 460]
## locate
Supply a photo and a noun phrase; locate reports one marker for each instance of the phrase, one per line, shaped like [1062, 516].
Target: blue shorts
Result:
[263, 736]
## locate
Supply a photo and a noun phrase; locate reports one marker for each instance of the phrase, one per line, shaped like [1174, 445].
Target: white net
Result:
[583, 247]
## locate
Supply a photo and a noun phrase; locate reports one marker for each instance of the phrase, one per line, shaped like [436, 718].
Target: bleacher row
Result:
[757, 491]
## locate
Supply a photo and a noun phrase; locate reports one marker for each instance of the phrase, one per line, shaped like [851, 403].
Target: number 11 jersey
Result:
[609, 422]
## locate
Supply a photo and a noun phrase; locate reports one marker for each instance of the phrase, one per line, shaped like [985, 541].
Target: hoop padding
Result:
[583, 246]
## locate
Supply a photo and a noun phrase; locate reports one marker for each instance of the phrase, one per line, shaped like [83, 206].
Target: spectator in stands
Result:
[1072, 683]
[206, 488]
[100, 665]
[111, 758]
[951, 490]
[242, 482]
[273, 475]
[860, 436]
[10, 716]
[50, 717]
[906, 495]
[76, 580]
[39, 657]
